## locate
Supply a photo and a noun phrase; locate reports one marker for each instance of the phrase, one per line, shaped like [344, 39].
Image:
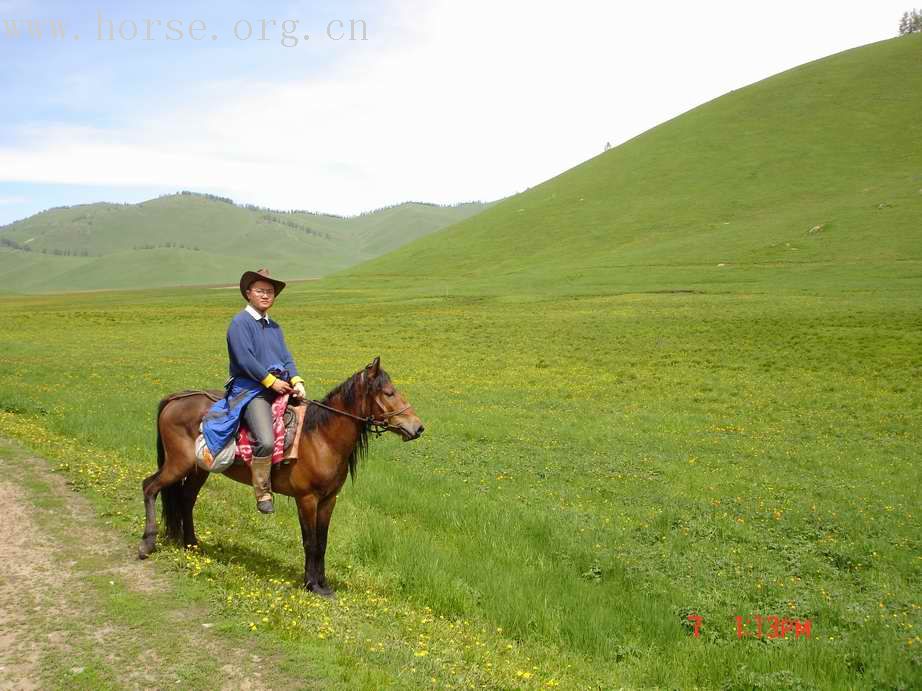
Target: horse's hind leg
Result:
[168, 482]
[190, 489]
[177, 418]
[149, 539]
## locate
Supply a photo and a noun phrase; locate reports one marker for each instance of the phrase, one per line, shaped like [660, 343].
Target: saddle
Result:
[285, 425]
[288, 420]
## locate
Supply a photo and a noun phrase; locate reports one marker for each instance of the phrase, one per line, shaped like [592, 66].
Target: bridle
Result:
[376, 426]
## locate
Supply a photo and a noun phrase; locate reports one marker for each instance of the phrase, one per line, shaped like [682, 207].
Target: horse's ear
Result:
[374, 367]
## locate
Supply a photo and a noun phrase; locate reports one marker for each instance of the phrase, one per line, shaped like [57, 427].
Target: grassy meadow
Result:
[595, 469]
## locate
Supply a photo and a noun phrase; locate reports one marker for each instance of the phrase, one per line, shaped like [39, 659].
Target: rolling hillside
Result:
[188, 239]
[815, 172]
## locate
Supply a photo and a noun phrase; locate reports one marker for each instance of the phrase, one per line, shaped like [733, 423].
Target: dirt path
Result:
[79, 612]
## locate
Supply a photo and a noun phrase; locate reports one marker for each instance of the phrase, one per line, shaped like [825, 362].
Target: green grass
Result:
[190, 239]
[594, 469]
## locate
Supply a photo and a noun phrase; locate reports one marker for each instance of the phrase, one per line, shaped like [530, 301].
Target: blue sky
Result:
[105, 85]
[104, 82]
[446, 100]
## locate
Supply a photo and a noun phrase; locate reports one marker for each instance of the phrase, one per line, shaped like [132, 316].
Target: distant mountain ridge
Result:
[190, 238]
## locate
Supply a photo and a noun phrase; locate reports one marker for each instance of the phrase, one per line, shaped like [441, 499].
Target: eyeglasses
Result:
[268, 292]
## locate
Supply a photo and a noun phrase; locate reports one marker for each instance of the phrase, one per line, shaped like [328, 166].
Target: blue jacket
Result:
[221, 422]
[258, 356]
[254, 346]
[223, 419]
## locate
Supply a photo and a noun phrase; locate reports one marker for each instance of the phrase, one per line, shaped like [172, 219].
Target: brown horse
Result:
[334, 437]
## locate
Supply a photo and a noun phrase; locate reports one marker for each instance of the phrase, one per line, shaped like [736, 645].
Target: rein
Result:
[377, 427]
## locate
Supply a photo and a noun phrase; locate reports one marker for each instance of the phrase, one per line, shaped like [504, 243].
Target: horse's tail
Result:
[171, 495]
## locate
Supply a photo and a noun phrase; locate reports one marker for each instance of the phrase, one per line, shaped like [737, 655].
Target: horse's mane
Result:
[348, 393]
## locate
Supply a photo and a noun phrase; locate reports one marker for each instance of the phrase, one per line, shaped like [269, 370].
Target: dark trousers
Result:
[258, 418]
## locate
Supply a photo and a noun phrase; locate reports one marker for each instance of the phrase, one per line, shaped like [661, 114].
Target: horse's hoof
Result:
[324, 591]
[144, 551]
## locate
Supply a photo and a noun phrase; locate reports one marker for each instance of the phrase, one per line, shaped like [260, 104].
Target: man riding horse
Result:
[261, 368]
[334, 433]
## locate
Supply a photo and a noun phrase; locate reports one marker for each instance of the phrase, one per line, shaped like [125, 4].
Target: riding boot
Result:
[261, 467]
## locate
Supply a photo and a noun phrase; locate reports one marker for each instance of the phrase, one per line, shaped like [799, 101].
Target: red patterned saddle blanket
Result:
[244, 446]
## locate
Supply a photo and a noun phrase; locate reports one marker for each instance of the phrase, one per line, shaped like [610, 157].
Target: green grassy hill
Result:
[386, 229]
[812, 170]
[188, 239]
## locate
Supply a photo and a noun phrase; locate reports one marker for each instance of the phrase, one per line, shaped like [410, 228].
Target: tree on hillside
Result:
[911, 22]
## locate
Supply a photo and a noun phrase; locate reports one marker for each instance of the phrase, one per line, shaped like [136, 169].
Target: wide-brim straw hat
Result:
[250, 277]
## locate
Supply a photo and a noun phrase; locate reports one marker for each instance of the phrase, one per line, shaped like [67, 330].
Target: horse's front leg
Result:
[324, 513]
[307, 514]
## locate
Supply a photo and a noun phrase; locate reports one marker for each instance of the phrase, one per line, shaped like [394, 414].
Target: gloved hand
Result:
[298, 391]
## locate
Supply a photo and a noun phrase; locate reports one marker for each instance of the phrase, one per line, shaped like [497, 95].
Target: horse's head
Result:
[388, 405]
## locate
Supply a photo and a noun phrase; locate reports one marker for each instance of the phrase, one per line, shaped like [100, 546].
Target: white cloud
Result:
[8, 6]
[4, 201]
[468, 100]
